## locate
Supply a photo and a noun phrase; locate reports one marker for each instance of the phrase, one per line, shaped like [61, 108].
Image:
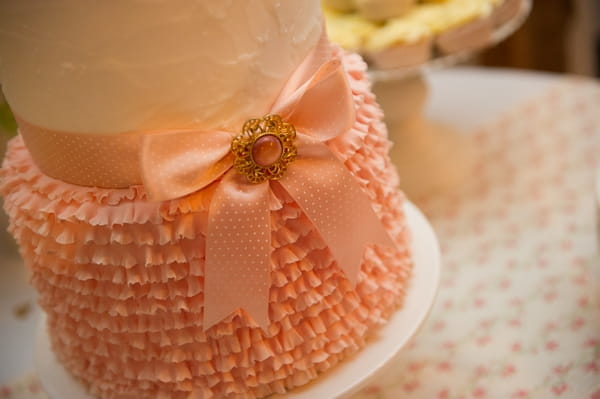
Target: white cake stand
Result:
[344, 379]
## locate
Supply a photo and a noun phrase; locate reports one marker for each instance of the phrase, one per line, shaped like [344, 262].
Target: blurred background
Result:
[560, 36]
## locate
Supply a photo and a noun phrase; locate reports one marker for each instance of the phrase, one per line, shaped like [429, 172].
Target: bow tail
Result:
[337, 206]
[238, 247]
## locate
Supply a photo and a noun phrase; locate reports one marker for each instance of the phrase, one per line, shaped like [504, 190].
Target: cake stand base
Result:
[431, 158]
[344, 379]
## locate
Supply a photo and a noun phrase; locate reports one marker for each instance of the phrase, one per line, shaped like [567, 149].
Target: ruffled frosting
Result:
[121, 279]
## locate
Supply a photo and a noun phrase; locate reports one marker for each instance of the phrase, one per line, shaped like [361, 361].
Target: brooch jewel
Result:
[264, 149]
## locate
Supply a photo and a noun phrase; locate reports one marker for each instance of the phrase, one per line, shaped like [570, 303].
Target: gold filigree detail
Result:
[242, 148]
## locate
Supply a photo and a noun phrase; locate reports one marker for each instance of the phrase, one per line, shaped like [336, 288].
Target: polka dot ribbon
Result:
[238, 245]
[318, 103]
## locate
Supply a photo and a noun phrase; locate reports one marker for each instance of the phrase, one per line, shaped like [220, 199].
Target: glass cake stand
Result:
[431, 158]
[345, 378]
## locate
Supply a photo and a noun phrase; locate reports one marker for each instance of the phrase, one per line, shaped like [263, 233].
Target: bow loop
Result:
[179, 162]
[322, 107]
[238, 246]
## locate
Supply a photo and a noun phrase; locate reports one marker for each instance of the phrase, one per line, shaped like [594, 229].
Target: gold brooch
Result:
[264, 149]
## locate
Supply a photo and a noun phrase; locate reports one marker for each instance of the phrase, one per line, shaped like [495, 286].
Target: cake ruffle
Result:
[121, 279]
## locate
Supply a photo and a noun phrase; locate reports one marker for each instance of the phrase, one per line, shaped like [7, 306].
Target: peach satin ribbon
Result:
[318, 102]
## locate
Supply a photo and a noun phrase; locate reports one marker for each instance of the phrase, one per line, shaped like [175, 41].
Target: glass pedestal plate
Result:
[431, 158]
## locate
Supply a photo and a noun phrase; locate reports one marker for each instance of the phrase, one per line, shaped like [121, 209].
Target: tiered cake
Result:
[184, 244]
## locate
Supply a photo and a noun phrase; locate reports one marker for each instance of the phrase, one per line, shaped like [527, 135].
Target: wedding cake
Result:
[201, 191]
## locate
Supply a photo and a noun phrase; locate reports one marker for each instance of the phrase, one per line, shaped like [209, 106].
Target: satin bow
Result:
[238, 244]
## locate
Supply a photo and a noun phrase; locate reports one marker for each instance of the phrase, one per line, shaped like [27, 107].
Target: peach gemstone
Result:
[267, 150]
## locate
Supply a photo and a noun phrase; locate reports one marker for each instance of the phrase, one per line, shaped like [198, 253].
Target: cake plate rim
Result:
[342, 380]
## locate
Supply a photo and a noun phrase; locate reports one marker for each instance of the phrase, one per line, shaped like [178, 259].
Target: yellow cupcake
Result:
[433, 16]
[442, 16]
[349, 30]
[382, 10]
[422, 22]
[463, 11]
[397, 31]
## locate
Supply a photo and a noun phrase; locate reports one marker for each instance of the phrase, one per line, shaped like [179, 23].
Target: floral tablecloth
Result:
[518, 311]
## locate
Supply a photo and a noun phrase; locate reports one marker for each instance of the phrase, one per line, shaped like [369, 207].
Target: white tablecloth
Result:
[518, 312]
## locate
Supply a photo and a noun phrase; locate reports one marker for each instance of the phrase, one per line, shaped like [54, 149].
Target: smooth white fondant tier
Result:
[116, 66]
